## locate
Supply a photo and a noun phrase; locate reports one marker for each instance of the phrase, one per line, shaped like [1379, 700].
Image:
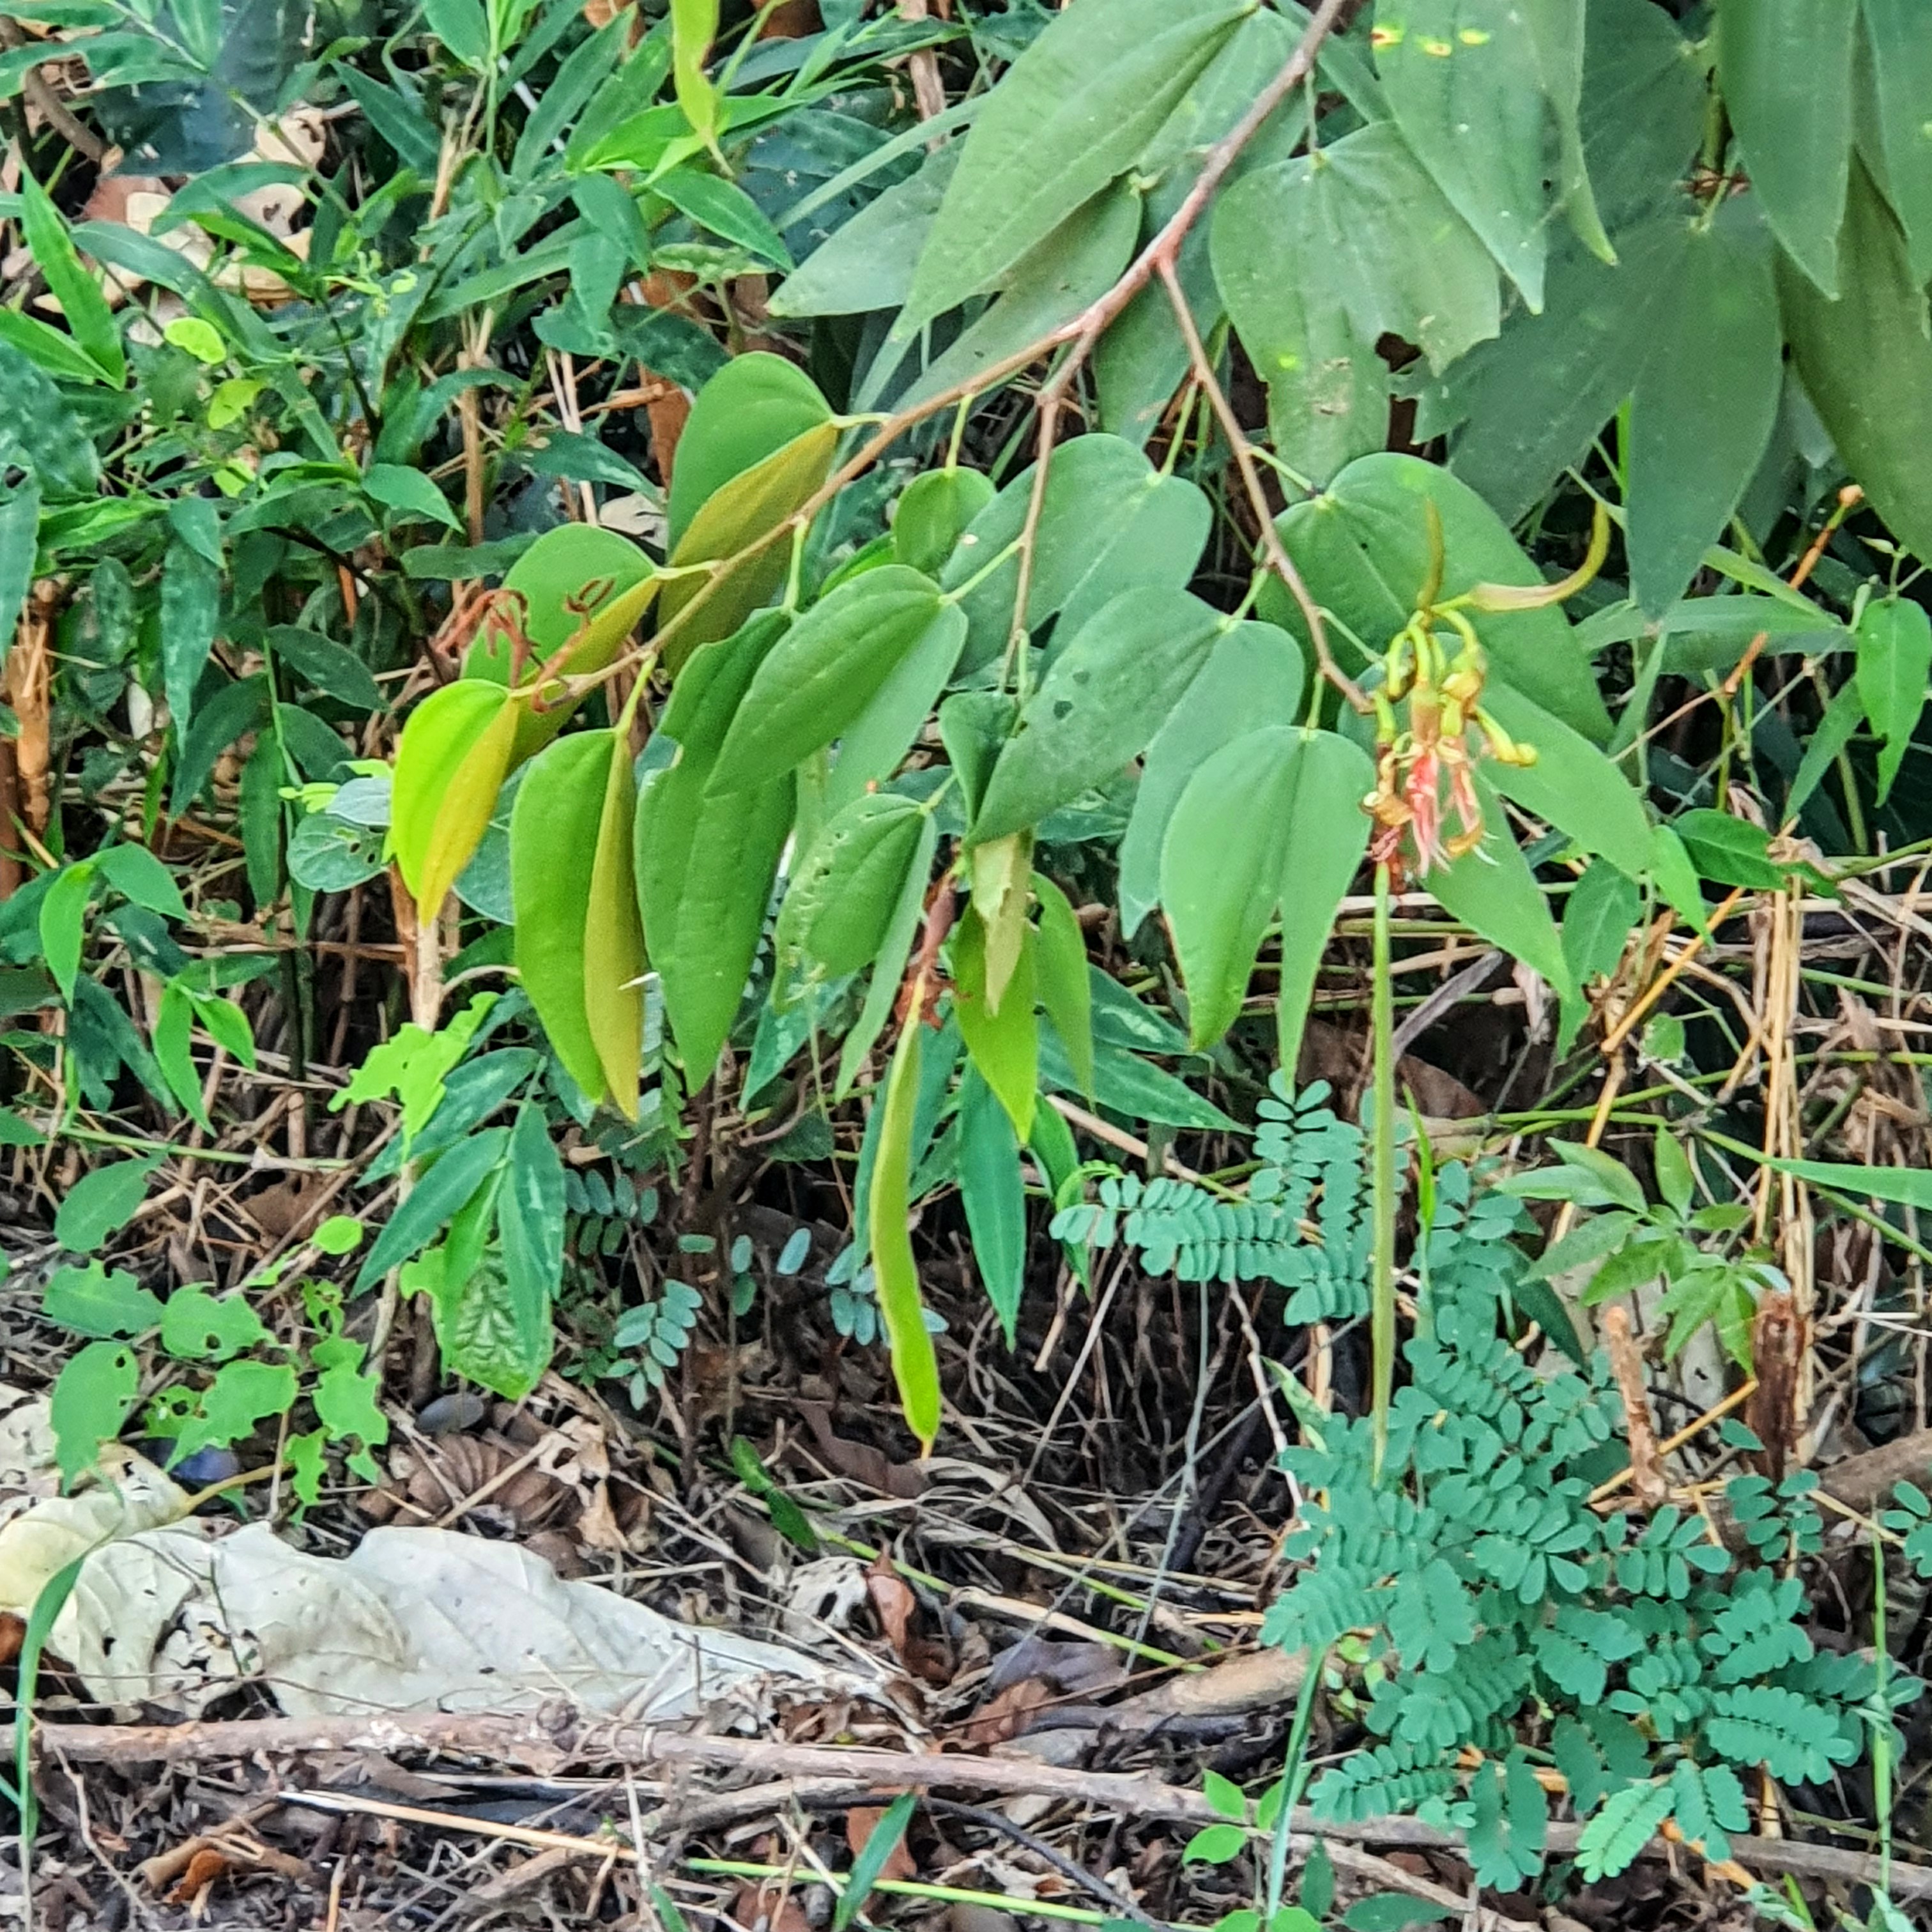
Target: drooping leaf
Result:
[82, 303]
[1253, 677]
[450, 766]
[751, 410]
[933, 512]
[840, 905]
[867, 262]
[1784, 68]
[1221, 870]
[1328, 833]
[1064, 980]
[613, 940]
[1074, 112]
[915, 1369]
[888, 969]
[190, 612]
[1894, 664]
[63, 924]
[1108, 690]
[1493, 892]
[1901, 67]
[1704, 404]
[1463, 80]
[823, 672]
[1004, 1046]
[1866, 363]
[990, 1192]
[872, 746]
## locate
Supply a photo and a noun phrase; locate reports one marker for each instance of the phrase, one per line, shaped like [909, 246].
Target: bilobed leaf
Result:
[1004, 1046]
[1108, 691]
[1253, 677]
[450, 766]
[82, 302]
[1895, 664]
[1493, 891]
[1704, 403]
[1362, 546]
[915, 1369]
[553, 843]
[824, 672]
[990, 1192]
[749, 507]
[1064, 982]
[1074, 110]
[1867, 362]
[705, 872]
[1462, 80]
[1221, 871]
[1784, 68]
[751, 410]
[1318, 258]
[613, 940]
[1327, 832]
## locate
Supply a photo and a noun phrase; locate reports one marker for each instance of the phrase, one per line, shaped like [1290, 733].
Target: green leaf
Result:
[1066, 980]
[45, 430]
[1731, 851]
[1832, 733]
[242, 1395]
[410, 494]
[1215, 1845]
[915, 1369]
[1895, 664]
[933, 512]
[1253, 677]
[1074, 112]
[450, 765]
[1225, 1795]
[821, 674]
[1705, 404]
[990, 1192]
[614, 939]
[190, 611]
[1317, 259]
[867, 262]
[1108, 690]
[734, 523]
[694, 27]
[840, 906]
[1866, 362]
[530, 1221]
[1910, 1187]
[1901, 68]
[460, 25]
[63, 924]
[757, 405]
[1221, 870]
[1004, 1046]
[889, 968]
[1602, 908]
[881, 1841]
[1557, 34]
[872, 745]
[81, 300]
[1363, 546]
[704, 873]
[197, 1326]
[1393, 1912]
[725, 209]
[1463, 81]
[100, 1203]
[340, 1234]
[1784, 68]
[1707, 1801]
[333, 670]
[433, 1202]
[1493, 891]
[1327, 834]
[92, 1301]
[1613, 1837]
[135, 874]
[20, 530]
[91, 1399]
[47, 347]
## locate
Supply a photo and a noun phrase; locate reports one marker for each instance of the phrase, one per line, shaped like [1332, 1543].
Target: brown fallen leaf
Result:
[203, 1869]
[893, 1602]
[861, 1822]
[858, 1462]
[768, 1910]
[1005, 1717]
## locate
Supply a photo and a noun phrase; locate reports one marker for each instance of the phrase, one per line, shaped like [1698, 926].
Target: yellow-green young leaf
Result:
[1107, 694]
[823, 673]
[837, 910]
[1001, 868]
[1004, 1046]
[750, 506]
[749, 410]
[1894, 661]
[449, 768]
[694, 26]
[914, 1368]
[1784, 67]
[1221, 874]
[1073, 113]
[1066, 987]
[553, 845]
[1327, 834]
[1867, 361]
[613, 940]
